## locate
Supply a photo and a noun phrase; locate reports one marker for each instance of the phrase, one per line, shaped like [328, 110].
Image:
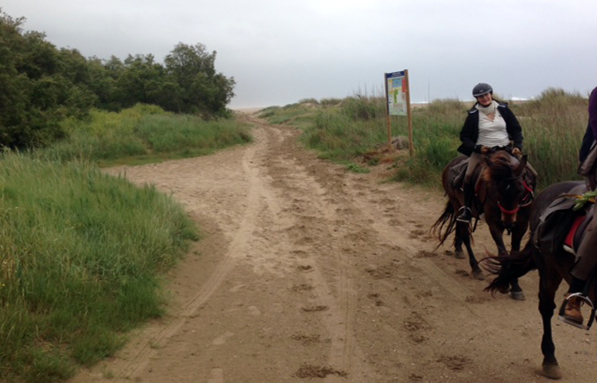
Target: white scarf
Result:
[489, 109]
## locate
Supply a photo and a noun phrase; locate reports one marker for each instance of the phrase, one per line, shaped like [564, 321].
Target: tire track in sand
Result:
[145, 347]
[314, 211]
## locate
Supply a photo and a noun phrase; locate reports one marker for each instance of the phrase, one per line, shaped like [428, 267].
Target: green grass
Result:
[348, 129]
[355, 168]
[554, 125]
[81, 254]
[144, 134]
[299, 115]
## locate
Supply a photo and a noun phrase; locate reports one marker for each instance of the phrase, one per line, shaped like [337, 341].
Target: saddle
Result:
[561, 225]
[456, 174]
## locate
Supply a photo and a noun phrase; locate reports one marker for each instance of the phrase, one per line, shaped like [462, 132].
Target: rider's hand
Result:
[516, 152]
[484, 149]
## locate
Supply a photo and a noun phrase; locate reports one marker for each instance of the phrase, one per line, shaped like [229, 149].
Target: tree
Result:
[141, 81]
[40, 87]
[203, 90]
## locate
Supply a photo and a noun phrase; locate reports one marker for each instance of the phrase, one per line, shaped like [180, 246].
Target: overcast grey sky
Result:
[282, 51]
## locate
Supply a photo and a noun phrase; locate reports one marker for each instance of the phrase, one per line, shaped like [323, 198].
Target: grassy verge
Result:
[80, 257]
[355, 128]
[144, 134]
[82, 253]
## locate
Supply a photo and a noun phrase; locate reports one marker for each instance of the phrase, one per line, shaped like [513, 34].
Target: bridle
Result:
[526, 200]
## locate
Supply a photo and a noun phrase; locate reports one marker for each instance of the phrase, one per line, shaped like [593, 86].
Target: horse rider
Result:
[488, 123]
[587, 251]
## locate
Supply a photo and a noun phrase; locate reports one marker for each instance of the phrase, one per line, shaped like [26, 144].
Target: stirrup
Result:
[464, 209]
[584, 299]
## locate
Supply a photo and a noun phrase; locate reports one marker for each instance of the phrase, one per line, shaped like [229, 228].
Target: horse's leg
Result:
[517, 235]
[516, 291]
[548, 284]
[456, 205]
[497, 233]
[463, 232]
[458, 253]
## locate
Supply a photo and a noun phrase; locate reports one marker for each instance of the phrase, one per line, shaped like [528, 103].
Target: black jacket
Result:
[470, 130]
[587, 141]
[589, 137]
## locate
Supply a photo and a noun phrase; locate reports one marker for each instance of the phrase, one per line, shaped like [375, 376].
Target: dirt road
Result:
[307, 272]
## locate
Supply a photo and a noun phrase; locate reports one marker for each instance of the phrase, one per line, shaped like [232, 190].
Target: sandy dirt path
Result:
[308, 272]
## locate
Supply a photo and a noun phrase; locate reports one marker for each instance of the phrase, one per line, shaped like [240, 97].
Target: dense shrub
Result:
[42, 85]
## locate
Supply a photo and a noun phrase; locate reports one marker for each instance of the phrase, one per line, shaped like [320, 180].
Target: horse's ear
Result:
[523, 165]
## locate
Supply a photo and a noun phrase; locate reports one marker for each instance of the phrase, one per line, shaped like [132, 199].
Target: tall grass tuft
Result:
[300, 114]
[80, 255]
[553, 127]
[339, 135]
[358, 125]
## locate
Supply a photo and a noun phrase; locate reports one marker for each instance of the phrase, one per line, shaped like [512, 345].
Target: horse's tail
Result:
[445, 224]
[509, 267]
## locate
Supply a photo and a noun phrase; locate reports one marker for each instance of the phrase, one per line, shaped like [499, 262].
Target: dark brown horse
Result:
[504, 197]
[553, 265]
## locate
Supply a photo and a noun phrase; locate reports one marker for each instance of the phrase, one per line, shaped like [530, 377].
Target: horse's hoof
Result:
[478, 274]
[551, 372]
[517, 295]
[459, 254]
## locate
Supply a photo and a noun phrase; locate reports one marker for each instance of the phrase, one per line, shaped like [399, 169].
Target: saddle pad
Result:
[569, 241]
[580, 230]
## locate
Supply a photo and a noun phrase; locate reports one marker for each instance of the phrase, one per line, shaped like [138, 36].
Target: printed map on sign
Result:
[396, 94]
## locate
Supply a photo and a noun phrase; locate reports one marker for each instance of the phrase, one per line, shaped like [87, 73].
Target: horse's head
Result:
[506, 186]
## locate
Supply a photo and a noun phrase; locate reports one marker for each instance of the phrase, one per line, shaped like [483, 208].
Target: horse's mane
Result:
[502, 166]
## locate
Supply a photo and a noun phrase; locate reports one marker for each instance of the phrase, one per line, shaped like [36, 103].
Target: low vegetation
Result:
[355, 130]
[144, 133]
[83, 253]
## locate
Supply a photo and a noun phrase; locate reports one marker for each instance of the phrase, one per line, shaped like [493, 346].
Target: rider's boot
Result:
[465, 212]
[572, 311]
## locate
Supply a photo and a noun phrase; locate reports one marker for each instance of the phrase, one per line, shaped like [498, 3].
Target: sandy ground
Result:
[307, 272]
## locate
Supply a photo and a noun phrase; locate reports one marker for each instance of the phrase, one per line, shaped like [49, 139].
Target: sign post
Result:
[398, 103]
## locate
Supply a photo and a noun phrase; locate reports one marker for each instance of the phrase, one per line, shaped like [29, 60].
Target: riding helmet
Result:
[482, 88]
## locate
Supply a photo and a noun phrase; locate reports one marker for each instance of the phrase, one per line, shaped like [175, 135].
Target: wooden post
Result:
[411, 148]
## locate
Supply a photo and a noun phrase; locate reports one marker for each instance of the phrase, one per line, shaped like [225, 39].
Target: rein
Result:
[530, 195]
